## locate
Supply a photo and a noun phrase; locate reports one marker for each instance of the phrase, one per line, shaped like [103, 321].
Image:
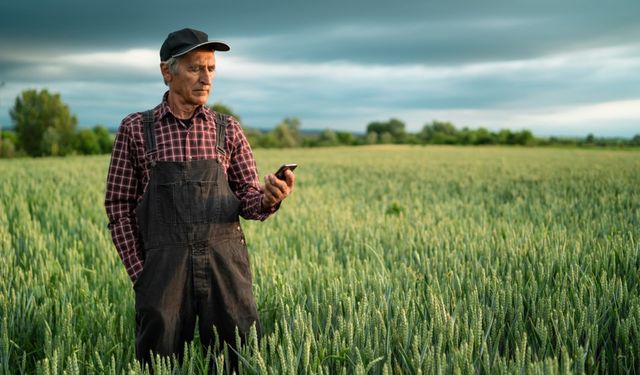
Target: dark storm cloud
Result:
[339, 63]
[361, 31]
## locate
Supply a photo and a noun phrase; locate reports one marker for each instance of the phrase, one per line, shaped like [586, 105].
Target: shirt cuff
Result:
[269, 211]
[134, 270]
[254, 209]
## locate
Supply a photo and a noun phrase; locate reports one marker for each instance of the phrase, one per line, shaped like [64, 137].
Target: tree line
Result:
[288, 134]
[44, 126]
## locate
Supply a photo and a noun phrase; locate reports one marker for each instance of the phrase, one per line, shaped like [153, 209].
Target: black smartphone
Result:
[284, 167]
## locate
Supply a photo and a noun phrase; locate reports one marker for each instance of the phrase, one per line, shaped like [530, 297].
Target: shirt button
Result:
[242, 241]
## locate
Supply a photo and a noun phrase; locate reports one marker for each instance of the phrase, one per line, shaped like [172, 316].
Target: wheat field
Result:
[385, 260]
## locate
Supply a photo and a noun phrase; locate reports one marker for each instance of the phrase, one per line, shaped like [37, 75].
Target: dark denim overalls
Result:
[196, 261]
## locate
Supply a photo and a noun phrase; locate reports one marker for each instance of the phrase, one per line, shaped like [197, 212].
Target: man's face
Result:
[191, 83]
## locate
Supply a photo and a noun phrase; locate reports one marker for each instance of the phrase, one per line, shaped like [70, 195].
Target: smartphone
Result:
[284, 167]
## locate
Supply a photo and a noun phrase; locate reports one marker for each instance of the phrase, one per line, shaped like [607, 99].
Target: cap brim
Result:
[214, 45]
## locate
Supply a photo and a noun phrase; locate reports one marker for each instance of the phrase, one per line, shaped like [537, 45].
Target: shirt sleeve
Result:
[121, 201]
[243, 175]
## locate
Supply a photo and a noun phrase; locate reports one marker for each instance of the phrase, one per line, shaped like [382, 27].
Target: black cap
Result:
[186, 40]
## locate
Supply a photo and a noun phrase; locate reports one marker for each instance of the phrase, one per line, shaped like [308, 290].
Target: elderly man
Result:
[179, 177]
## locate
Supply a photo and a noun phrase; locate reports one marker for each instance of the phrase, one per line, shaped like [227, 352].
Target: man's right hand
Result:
[276, 190]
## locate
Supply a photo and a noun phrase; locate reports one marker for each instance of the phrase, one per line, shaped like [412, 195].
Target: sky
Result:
[557, 68]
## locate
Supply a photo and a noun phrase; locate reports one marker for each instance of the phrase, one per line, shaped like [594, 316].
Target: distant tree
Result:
[9, 134]
[8, 142]
[86, 142]
[484, 137]
[590, 139]
[311, 141]
[268, 140]
[39, 113]
[524, 138]
[439, 132]
[635, 141]
[345, 138]
[50, 143]
[287, 132]
[7, 148]
[467, 136]
[386, 138]
[104, 139]
[394, 127]
[562, 141]
[411, 139]
[328, 138]
[222, 108]
[376, 127]
[397, 130]
[371, 138]
[253, 136]
[444, 127]
[505, 137]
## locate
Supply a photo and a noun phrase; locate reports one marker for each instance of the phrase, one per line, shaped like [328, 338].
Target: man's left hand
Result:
[276, 190]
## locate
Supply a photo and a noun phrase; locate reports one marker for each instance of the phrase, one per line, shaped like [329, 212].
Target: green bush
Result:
[86, 142]
[104, 139]
[7, 148]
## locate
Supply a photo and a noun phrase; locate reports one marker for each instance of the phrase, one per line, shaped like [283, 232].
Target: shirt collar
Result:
[165, 110]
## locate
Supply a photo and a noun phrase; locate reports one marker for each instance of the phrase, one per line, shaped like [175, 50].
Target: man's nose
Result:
[206, 76]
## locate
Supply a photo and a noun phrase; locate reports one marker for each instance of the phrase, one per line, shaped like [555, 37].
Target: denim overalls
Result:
[196, 262]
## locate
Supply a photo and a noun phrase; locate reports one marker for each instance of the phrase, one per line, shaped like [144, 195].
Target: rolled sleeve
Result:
[243, 175]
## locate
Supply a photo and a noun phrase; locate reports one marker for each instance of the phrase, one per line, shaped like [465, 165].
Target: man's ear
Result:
[166, 72]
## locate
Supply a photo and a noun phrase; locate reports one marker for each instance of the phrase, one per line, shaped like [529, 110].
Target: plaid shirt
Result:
[129, 169]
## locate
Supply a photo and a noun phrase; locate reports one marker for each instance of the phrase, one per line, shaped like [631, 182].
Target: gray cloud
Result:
[358, 61]
[362, 31]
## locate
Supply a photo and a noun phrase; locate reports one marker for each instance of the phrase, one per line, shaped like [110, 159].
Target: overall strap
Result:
[221, 132]
[148, 124]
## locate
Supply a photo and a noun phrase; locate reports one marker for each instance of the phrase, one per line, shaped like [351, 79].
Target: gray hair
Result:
[172, 64]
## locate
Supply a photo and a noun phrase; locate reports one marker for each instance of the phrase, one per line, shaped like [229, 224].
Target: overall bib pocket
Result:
[187, 202]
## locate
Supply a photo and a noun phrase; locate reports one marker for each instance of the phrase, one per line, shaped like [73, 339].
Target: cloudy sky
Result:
[564, 68]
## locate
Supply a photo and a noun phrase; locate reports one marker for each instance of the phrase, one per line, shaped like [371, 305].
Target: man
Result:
[178, 179]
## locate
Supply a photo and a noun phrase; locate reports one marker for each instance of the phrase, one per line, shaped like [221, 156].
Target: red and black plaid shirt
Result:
[128, 175]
